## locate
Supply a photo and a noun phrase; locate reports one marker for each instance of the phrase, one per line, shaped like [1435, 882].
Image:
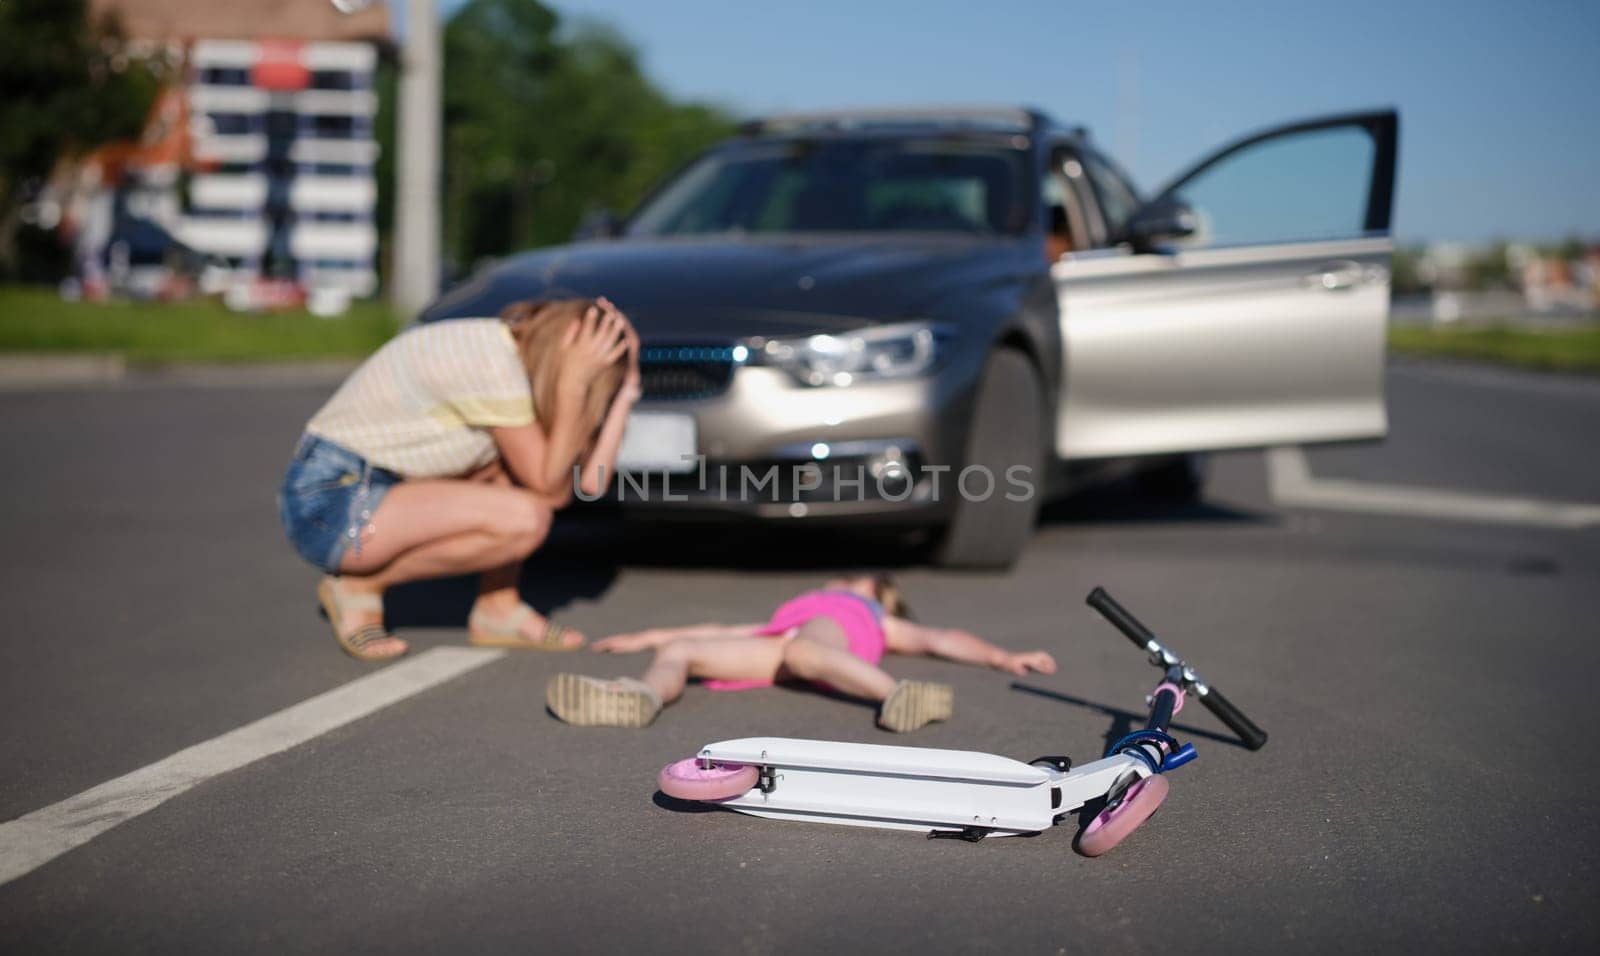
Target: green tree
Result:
[1405, 271]
[1489, 268]
[542, 125]
[1571, 249]
[66, 86]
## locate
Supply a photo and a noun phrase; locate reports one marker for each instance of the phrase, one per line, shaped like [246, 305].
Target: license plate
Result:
[658, 441]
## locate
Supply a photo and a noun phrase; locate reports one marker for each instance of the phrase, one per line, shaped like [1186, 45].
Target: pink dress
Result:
[860, 618]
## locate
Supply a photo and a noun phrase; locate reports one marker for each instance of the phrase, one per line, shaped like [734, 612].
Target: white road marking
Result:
[1291, 483]
[35, 839]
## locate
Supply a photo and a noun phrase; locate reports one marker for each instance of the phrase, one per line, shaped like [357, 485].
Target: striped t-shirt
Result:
[422, 405]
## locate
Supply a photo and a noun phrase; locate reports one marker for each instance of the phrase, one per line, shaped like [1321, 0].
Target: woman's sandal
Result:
[597, 702]
[357, 643]
[486, 630]
[914, 704]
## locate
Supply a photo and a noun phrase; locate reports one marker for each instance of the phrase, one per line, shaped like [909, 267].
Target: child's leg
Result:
[818, 653]
[728, 658]
[590, 701]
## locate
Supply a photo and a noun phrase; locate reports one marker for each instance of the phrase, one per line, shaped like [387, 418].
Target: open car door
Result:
[1245, 306]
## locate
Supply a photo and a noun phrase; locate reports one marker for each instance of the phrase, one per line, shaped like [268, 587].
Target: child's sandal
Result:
[915, 704]
[594, 702]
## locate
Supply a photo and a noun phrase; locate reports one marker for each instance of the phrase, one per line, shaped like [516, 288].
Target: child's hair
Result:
[888, 594]
[538, 327]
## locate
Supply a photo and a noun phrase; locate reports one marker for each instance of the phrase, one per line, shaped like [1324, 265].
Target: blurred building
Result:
[1499, 283]
[266, 147]
[282, 132]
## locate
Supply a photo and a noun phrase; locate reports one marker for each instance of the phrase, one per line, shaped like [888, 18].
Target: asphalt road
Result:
[1430, 784]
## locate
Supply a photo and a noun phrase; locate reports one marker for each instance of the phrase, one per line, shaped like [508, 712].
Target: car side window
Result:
[1118, 201]
[1301, 187]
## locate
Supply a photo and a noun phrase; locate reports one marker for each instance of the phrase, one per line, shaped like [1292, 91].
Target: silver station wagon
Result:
[942, 318]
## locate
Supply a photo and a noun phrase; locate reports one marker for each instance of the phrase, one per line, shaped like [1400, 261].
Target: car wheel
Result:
[1177, 479]
[1007, 431]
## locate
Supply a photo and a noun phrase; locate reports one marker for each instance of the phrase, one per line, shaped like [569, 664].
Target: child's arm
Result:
[657, 636]
[904, 637]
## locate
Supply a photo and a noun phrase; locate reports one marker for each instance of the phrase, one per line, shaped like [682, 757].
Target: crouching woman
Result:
[447, 451]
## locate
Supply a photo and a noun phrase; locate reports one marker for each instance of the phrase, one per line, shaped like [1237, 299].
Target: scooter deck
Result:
[874, 785]
[877, 759]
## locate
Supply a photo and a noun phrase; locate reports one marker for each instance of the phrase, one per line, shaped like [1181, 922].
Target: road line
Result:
[35, 839]
[1291, 484]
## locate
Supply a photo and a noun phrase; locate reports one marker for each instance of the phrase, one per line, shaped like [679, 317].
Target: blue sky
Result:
[1500, 124]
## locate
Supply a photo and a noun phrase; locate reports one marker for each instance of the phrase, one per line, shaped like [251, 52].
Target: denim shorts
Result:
[327, 497]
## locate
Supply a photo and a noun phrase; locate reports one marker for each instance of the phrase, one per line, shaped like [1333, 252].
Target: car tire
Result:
[1181, 479]
[1007, 430]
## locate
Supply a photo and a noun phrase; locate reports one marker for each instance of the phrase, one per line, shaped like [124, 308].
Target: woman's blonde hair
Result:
[538, 326]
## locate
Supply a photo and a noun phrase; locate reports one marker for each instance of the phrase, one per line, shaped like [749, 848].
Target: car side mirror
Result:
[598, 224]
[1166, 218]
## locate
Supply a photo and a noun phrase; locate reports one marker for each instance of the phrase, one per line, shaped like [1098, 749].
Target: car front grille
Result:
[668, 372]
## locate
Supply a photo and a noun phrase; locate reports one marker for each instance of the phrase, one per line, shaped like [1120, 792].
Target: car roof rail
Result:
[1014, 119]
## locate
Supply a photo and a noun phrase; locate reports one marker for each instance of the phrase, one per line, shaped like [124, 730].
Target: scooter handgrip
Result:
[1254, 737]
[1119, 616]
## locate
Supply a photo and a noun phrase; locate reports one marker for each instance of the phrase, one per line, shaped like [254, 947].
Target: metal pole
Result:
[1126, 135]
[414, 276]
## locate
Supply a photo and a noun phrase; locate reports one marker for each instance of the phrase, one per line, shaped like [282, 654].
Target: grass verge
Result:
[200, 330]
[1566, 349]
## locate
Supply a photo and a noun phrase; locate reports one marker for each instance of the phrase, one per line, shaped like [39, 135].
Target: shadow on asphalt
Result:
[749, 545]
[1123, 722]
[586, 550]
[609, 541]
[547, 584]
[682, 806]
[1124, 502]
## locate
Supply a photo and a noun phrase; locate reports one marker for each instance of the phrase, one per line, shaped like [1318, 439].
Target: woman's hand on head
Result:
[631, 391]
[592, 344]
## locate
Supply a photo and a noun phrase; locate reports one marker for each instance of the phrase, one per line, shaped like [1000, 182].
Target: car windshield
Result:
[848, 185]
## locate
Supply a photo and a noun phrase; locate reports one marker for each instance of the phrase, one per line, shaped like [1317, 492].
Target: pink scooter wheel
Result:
[1112, 826]
[688, 780]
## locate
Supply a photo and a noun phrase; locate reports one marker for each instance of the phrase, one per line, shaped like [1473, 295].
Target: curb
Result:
[27, 372]
[23, 372]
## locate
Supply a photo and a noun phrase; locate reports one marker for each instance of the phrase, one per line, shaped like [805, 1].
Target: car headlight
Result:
[884, 351]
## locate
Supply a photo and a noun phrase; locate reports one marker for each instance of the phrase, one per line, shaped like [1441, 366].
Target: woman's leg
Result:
[497, 586]
[435, 528]
[427, 529]
[497, 589]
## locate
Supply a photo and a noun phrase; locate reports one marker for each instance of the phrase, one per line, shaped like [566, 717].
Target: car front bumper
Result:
[771, 449]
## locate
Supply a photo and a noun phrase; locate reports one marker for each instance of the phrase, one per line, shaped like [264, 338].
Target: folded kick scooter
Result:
[960, 793]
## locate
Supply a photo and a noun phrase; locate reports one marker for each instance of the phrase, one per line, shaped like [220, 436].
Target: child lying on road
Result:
[834, 636]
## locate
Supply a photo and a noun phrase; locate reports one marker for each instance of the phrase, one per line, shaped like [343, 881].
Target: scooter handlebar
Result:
[1254, 737]
[1120, 618]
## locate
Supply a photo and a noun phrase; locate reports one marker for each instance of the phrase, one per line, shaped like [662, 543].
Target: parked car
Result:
[915, 293]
